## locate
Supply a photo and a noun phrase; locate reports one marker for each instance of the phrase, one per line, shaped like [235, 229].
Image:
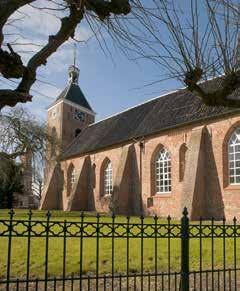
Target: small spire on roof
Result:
[73, 71]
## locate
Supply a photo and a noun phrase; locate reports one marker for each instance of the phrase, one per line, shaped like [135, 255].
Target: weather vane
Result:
[74, 54]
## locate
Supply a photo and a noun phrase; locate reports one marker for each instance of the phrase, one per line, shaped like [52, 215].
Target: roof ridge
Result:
[154, 98]
[138, 105]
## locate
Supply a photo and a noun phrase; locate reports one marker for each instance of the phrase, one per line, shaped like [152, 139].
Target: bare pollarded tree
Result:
[194, 41]
[98, 14]
[24, 146]
[21, 134]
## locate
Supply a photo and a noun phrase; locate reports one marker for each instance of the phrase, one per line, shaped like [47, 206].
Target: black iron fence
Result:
[118, 253]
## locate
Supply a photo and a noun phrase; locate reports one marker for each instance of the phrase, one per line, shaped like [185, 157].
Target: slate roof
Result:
[73, 93]
[169, 111]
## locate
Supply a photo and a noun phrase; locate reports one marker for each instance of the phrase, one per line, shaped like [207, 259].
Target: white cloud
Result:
[34, 31]
[40, 102]
[83, 33]
[39, 22]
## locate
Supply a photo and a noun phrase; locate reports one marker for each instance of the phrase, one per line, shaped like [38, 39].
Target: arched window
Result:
[163, 172]
[234, 157]
[108, 184]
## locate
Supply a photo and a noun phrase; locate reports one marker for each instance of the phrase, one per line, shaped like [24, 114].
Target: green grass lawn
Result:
[55, 265]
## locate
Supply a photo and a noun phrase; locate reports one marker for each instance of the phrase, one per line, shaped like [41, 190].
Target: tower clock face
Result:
[54, 113]
[79, 115]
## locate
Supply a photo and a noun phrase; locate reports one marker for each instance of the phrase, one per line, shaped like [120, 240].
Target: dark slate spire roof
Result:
[170, 111]
[72, 92]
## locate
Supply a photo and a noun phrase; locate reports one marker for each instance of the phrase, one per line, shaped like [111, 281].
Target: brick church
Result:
[155, 158]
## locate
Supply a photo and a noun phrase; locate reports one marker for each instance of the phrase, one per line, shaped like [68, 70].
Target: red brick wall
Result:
[221, 132]
[101, 203]
[219, 195]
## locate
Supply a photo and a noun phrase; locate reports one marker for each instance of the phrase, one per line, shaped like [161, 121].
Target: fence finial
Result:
[30, 213]
[48, 215]
[11, 213]
[185, 212]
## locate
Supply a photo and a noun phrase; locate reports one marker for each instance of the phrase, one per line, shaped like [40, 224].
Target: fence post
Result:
[185, 251]
[10, 228]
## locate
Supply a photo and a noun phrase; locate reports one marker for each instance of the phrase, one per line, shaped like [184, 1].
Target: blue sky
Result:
[109, 86]
[110, 83]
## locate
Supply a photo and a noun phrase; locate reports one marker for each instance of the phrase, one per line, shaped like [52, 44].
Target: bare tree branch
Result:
[11, 65]
[196, 41]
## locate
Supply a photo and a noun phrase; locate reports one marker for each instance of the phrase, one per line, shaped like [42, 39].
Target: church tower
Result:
[71, 112]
